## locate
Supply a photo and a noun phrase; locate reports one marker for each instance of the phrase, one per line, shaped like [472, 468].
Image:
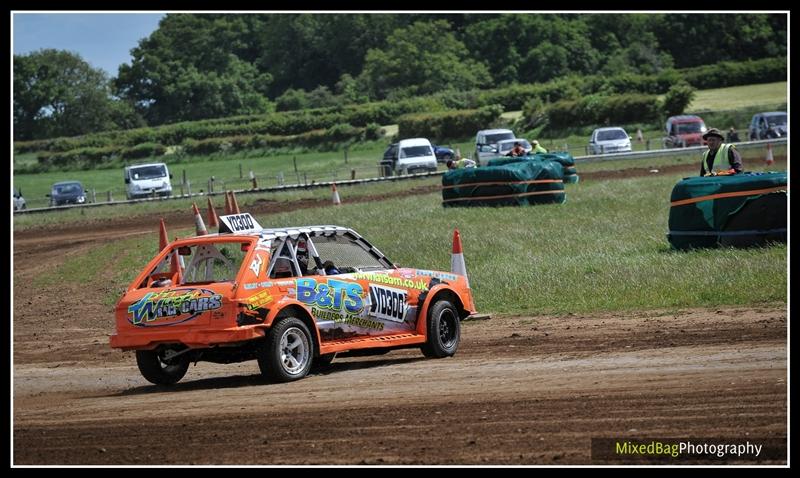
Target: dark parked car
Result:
[67, 192]
[769, 125]
[443, 154]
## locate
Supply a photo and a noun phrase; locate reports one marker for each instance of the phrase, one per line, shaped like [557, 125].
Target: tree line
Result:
[199, 66]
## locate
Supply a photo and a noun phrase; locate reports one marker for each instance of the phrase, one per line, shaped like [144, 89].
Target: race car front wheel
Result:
[286, 353]
[161, 371]
[444, 330]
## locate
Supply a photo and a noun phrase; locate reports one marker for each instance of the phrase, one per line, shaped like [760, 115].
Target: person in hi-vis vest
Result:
[713, 163]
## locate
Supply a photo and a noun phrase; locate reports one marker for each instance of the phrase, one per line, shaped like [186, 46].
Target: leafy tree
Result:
[422, 58]
[697, 39]
[188, 69]
[677, 99]
[291, 100]
[57, 93]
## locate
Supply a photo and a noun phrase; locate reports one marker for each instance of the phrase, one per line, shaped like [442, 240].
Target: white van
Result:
[142, 180]
[486, 144]
[415, 155]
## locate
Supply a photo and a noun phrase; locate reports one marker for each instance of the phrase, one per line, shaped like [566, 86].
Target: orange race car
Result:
[288, 298]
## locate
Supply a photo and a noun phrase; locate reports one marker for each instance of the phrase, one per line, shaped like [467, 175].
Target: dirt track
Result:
[520, 390]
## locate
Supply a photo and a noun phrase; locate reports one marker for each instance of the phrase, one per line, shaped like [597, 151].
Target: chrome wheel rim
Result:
[294, 351]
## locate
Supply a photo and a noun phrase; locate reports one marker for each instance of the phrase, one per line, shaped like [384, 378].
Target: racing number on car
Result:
[241, 222]
[387, 303]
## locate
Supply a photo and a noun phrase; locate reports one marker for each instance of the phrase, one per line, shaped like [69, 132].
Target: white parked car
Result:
[609, 140]
[415, 155]
[486, 144]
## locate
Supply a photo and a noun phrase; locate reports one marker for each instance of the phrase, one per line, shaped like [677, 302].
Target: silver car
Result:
[609, 140]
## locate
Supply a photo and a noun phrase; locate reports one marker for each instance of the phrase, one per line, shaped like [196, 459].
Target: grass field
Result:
[605, 249]
[737, 97]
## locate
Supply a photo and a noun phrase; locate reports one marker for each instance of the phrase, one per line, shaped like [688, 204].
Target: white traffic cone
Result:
[336, 199]
[770, 159]
[457, 265]
[199, 225]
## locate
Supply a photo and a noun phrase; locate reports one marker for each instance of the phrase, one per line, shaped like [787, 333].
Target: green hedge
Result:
[447, 124]
[386, 112]
[595, 109]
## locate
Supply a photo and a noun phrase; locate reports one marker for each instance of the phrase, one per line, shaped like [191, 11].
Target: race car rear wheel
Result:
[444, 330]
[286, 354]
[158, 370]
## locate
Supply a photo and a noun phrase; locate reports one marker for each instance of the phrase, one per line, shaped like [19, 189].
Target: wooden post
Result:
[240, 171]
[345, 155]
[94, 196]
[189, 187]
[352, 173]
[184, 177]
[294, 160]
[211, 184]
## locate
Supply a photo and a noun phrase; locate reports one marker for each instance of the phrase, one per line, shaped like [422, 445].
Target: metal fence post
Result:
[94, 196]
[110, 197]
[189, 187]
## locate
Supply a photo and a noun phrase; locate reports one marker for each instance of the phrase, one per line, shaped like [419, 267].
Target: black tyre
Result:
[159, 370]
[444, 330]
[287, 351]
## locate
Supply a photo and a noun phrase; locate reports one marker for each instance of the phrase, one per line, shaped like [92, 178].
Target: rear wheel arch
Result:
[304, 316]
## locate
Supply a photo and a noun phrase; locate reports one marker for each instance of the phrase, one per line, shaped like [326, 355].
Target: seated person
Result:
[306, 267]
[517, 150]
[460, 163]
[330, 269]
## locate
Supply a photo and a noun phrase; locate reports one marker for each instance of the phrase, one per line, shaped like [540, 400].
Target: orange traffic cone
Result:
[770, 159]
[162, 236]
[336, 199]
[227, 203]
[234, 204]
[176, 265]
[199, 226]
[457, 265]
[212, 215]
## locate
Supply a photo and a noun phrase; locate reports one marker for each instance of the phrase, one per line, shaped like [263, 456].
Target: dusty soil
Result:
[520, 390]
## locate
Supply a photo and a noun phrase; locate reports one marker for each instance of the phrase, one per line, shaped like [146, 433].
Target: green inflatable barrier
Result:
[563, 158]
[739, 210]
[516, 183]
